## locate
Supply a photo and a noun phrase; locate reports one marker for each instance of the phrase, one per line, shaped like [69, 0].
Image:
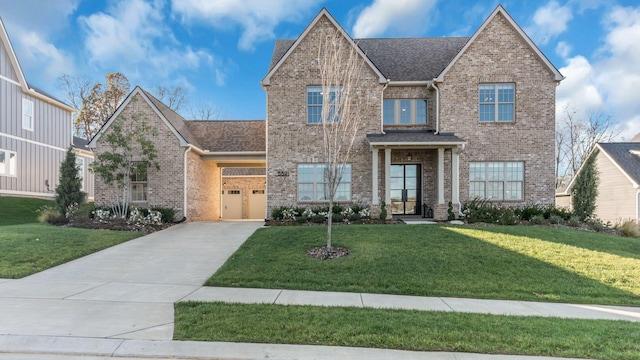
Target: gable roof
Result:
[207, 136]
[500, 10]
[323, 13]
[626, 157]
[21, 80]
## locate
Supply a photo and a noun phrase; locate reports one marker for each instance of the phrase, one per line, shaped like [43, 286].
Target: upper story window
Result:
[312, 184]
[315, 99]
[497, 102]
[8, 163]
[27, 114]
[496, 180]
[405, 111]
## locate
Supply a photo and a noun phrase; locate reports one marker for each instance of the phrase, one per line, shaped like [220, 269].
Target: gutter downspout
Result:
[433, 85]
[382, 108]
[185, 181]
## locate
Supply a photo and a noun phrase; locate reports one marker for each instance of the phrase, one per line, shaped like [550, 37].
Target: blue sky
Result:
[219, 50]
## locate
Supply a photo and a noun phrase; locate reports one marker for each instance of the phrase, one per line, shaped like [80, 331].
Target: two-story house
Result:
[36, 130]
[456, 119]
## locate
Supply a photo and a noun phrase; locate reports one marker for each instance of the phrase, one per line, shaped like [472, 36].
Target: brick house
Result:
[455, 119]
[209, 170]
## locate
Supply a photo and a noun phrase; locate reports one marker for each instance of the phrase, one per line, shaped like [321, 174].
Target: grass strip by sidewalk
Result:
[407, 330]
[29, 248]
[494, 262]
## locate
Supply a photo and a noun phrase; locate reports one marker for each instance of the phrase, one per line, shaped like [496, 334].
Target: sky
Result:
[219, 50]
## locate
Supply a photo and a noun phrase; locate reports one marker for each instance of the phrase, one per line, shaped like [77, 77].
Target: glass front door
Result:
[405, 189]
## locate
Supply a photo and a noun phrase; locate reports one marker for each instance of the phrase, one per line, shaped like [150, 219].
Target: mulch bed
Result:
[321, 253]
[117, 225]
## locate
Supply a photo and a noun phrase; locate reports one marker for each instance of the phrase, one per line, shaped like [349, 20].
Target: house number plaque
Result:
[282, 173]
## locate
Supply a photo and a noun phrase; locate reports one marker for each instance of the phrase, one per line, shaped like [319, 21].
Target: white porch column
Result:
[455, 176]
[440, 175]
[375, 199]
[387, 178]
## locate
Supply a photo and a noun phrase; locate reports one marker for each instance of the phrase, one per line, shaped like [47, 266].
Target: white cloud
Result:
[257, 18]
[132, 37]
[563, 49]
[611, 82]
[402, 17]
[51, 60]
[549, 21]
[41, 16]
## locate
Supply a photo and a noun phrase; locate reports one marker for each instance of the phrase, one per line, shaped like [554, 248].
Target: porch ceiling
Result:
[414, 139]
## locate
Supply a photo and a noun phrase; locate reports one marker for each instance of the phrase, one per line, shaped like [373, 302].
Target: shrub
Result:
[68, 191]
[383, 211]
[84, 211]
[574, 221]
[555, 219]
[168, 214]
[51, 215]
[529, 211]
[507, 217]
[337, 209]
[629, 228]
[562, 213]
[597, 224]
[318, 219]
[450, 214]
[276, 213]
[537, 220]
[337, 218]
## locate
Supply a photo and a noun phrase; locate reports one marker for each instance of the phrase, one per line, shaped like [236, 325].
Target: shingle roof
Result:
[80, 143]
[620, 153]
[229, 135]
[409, 59]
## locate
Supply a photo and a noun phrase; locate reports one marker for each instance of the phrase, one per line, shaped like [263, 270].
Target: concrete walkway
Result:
[118, 303]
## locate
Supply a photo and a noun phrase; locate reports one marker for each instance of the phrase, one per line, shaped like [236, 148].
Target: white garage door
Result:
[231, 204]
[257, 204]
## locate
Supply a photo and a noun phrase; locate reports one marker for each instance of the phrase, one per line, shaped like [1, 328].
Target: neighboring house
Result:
[36, 130]
[84, 159]
[209, 170]
[618, 166]
[455, 119]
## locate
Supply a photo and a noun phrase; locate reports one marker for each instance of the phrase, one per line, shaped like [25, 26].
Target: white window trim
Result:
[80, 167]
[145, 192]
[497, 104]
[414, 112]
[8, 163]
[25, 114]
[504, 181]
[316, 184]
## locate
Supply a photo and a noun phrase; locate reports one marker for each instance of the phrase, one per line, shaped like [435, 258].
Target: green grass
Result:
[409, 330]
[29, 248]
[512, 262]
[17, 210]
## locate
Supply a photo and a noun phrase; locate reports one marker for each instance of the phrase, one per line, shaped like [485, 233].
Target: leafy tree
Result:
[585, 189]
[68, 190]
[129, 151]
[340, 67]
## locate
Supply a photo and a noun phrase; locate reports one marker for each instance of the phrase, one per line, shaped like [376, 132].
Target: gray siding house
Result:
[35, 132]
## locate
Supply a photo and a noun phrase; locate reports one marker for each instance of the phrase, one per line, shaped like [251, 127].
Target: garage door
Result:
[231, 204]
[257, 204]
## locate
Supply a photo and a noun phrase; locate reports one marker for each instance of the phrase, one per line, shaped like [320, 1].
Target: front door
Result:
[405, 189]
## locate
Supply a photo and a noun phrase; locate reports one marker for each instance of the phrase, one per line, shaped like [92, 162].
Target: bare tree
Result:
[174, 97]
[205, 111]
[576, 137]
[341, 69]
[75, 88]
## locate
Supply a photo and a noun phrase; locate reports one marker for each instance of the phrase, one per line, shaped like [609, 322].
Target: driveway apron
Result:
[126, 291]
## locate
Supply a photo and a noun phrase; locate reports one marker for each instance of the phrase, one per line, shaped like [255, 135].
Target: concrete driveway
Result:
[124, 292]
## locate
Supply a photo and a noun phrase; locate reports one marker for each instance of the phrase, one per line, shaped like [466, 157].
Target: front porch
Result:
[420, 172]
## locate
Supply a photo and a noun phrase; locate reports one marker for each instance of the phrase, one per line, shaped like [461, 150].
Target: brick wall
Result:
[203, 191]
[292, 141]
[498, 55]
[166, 185]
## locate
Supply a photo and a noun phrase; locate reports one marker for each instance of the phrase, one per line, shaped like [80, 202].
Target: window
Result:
[496, 102]
[496, 180]
[27, 114]
[139, 185]
[315, 99]
[80, 167]
[312, 185]
[8, 163]
[405, 111]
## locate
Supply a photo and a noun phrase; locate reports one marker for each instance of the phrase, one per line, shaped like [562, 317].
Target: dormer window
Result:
[405, 111]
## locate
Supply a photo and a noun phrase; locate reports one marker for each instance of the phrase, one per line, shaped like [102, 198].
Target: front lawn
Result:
[501, 262]
[29, 248]
[18, 210]
[408, 330]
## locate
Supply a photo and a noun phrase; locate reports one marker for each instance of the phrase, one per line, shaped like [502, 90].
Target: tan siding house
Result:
[618, 166]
